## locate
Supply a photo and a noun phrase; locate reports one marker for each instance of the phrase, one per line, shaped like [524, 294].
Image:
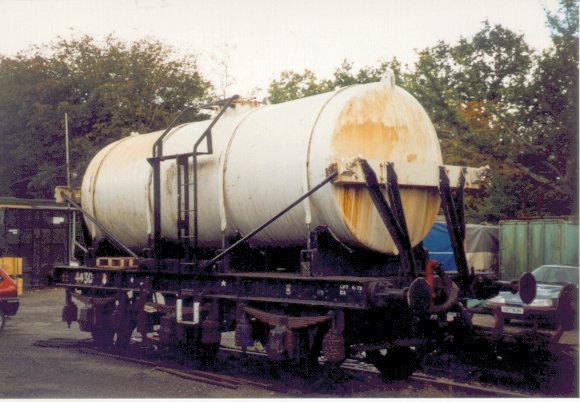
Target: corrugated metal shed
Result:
[527, 244]
[35, 232]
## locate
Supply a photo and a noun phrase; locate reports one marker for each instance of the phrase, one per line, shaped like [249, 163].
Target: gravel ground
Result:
[28, 371]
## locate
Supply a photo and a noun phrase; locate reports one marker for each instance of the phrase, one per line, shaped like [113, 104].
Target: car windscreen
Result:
[556, 274]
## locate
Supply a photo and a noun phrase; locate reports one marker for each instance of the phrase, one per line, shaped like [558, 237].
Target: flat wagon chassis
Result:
[295, 315]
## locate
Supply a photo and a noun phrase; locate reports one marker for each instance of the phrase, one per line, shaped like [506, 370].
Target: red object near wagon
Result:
[9, 301]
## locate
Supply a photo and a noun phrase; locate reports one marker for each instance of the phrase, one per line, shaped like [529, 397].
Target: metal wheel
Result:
[103, 336]
[309, 348]
[206, 355]
[394, 364]
[304, 364]
[123, 337]
[2, 321]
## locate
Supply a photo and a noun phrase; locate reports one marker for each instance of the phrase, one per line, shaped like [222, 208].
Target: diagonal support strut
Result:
[454, 217]
[392, 216]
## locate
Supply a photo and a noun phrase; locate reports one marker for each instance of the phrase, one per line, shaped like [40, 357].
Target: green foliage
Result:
[107, 90]
[492, 99]
[292, 85]
[551, 116]
[494, 102]
[472, 92]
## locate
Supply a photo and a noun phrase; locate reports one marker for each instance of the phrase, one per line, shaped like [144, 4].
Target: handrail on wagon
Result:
[158, 157]
[158, 145]
[205, 136]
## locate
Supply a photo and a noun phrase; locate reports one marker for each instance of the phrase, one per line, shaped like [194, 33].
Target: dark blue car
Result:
[556, 299]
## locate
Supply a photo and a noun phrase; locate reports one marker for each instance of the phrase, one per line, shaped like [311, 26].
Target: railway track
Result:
[355, 377]
[156, 364]
[448, 385]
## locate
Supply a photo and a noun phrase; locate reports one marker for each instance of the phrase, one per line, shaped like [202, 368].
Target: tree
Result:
[495, 102]
[532, 114]
[292, 85]
[473, 93]
[551, 113]
[223, 69]
[108, 92]
[432, 83]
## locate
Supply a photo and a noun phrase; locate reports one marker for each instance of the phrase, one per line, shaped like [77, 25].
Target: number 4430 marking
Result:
[85, 278]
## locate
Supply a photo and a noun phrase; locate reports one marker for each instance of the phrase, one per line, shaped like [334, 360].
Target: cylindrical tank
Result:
[263, 159]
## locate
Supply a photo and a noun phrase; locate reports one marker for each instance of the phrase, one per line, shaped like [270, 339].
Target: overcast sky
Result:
[261, 38]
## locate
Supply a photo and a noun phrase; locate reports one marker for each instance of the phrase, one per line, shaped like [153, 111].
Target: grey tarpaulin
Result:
[482, 247]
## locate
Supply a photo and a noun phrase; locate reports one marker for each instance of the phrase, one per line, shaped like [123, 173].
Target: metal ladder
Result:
[185, 204]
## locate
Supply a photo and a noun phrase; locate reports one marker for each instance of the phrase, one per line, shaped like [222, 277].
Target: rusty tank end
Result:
[386, 123]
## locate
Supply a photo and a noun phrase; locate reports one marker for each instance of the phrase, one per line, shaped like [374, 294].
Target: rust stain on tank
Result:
[171, 179]
[366, 224]
[387, 125]
[359, 212]
[362, 130]
[354, 204]
[170, 189]
[372, 139]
